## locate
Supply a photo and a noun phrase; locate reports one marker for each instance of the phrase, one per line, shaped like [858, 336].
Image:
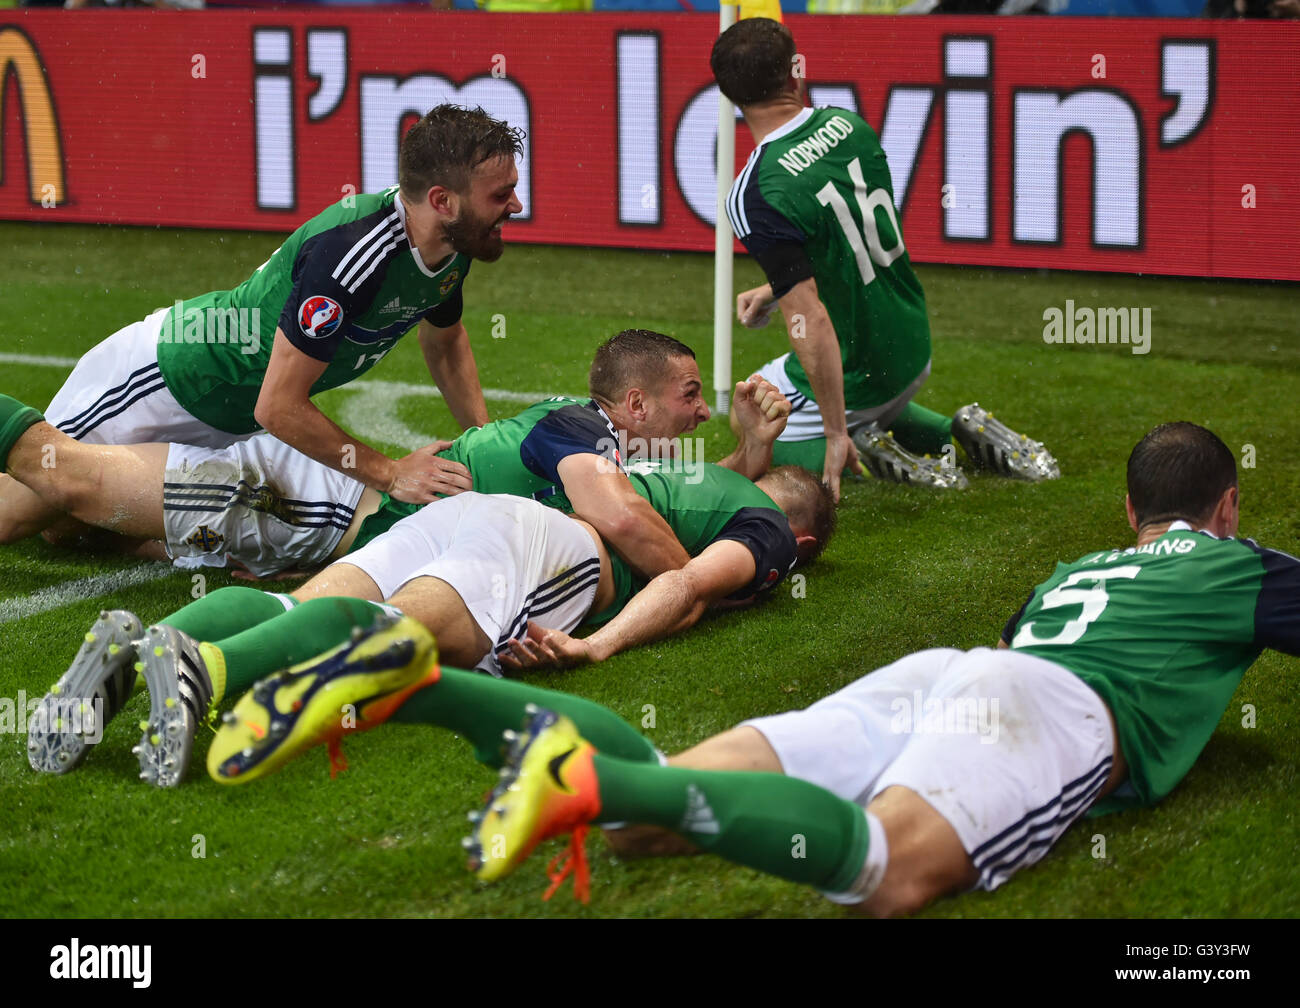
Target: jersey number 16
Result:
[866, 244]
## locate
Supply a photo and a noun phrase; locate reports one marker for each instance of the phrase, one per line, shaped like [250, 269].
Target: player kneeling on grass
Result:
[814, 205]
[1118, 669]
[328, 305]
[475, 569]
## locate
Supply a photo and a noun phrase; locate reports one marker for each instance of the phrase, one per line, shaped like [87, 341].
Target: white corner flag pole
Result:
[723, 240]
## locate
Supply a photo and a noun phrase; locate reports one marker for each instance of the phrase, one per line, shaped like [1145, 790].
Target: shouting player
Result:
[327, 306]
[814, 205]
[271, 509]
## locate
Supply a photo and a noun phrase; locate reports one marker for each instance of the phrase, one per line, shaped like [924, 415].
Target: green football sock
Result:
[227, 611]
[15, 418]
[780, 825]
[809, 454]
[922, 431]
[479, 708]
[305, 631]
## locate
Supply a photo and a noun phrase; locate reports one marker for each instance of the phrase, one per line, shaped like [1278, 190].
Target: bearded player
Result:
[329, 304]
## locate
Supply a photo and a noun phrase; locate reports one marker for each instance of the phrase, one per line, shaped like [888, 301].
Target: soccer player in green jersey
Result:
[268, 507]
[814, 205]
[327, 306]
[949, 769]
[477, 570]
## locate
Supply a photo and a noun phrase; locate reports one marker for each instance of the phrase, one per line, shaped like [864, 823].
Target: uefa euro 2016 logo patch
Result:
[205, 539]
[448, 283]
[319, 317]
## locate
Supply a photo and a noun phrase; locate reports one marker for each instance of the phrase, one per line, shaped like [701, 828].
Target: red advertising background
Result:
[1194, 126]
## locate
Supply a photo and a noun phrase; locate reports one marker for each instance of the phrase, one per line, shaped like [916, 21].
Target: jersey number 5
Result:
[872, 249]
[1093, 600]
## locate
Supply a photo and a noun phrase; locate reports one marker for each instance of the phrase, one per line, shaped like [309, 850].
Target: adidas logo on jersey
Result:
[394, 305]
[699, 818]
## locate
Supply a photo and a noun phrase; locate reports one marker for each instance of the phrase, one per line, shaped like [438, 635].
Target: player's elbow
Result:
[268, 416]
[683, 595]
[621, 527]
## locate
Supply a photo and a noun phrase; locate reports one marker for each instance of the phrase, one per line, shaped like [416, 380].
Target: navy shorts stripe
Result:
[124, 387]
[999, 857]
[79, 431]
[578, 579]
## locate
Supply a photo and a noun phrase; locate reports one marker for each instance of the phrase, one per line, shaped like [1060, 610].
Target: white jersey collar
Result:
[613, 432]
[794, 124]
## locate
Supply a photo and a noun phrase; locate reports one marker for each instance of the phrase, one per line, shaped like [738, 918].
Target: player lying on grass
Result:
[814, 206]
[271, 508]
[942, 771]
[474, 569]
[327, 306]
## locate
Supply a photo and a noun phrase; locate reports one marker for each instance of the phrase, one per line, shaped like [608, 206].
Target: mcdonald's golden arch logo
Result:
[18, 56]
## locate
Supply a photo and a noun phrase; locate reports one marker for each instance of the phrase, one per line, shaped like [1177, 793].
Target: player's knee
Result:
[75, 493]
[17, 525]
[899, 897]
[10, 532]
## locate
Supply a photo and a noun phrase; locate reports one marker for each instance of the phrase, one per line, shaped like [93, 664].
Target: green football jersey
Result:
[519, 456]
[702, 504]
[815, 199]
[343, 288]
[1162, 633]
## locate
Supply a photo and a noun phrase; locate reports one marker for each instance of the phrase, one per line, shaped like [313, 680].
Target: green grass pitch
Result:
[910, 569]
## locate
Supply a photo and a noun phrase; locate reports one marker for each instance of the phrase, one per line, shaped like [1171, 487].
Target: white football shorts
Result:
[510, 559]
[259, 502]
[805, 421]
[116, 395]
[1009, 748]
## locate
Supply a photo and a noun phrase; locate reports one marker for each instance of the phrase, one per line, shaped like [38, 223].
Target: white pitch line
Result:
[38, 361]
[60, 595]
[376, 385]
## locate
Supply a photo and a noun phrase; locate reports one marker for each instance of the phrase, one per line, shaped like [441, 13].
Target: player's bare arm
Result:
[602, 495]
[674, 601]
[452, 366]
[758, 416]
[284, 408]
[813, 338]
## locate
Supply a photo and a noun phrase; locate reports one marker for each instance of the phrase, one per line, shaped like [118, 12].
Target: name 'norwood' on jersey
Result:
[807, 152]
